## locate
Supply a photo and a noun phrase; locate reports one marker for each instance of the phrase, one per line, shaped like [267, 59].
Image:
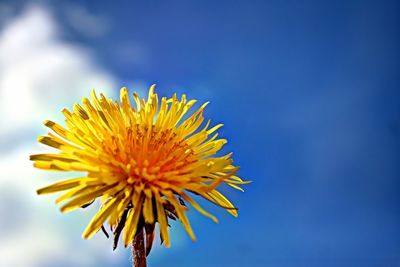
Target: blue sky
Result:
[309, 95]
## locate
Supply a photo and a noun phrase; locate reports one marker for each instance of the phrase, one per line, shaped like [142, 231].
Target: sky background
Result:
[308, 92]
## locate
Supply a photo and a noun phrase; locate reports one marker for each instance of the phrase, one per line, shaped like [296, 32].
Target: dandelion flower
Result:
[143, 161]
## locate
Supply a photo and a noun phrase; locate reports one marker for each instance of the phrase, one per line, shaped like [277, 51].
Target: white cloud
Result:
[39, 75]
[85, 22]
[17, 250]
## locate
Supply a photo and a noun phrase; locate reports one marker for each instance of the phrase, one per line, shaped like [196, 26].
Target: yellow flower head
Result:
[142, 161]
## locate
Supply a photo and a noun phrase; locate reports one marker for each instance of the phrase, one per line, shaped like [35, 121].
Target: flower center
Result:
[149, 155]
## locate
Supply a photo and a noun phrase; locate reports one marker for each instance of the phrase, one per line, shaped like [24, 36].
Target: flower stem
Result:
[138, 250]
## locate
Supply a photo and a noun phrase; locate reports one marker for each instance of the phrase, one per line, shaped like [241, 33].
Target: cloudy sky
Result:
[39, 73]
[308, 93]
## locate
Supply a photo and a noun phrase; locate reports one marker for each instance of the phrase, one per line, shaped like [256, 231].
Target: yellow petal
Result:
[56, 128]
[51, 157]
[83, 189]
[60, 186]
[82, 199]
[132, 220]
[197, 207]
[223, 201]
[181, 214]
[162, 219]
[46, 140]
[120, 208]
[148, 207]
[99, 218]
